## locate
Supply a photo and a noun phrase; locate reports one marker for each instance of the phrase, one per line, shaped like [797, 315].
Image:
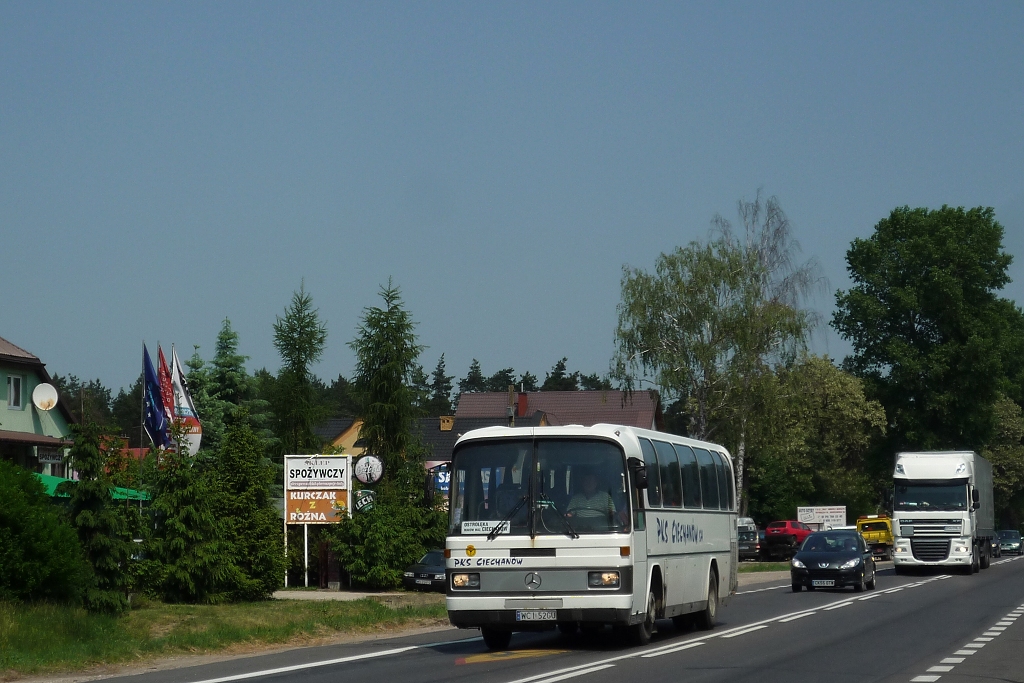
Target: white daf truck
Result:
[942, 511]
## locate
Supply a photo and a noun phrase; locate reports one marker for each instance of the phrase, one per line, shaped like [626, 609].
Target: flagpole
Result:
[142, 402]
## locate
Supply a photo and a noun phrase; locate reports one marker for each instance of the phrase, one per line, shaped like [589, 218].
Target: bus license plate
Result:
[823, 583]
[535, 615]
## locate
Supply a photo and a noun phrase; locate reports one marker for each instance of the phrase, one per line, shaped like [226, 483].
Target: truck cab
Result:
[877, 533]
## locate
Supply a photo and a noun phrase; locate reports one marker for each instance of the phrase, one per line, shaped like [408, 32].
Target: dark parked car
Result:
[750, 546]
[833, 559]
[1009, 541]
[427, 574]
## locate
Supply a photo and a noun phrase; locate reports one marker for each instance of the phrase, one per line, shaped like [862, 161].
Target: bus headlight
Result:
[603, 579]
[465, 580]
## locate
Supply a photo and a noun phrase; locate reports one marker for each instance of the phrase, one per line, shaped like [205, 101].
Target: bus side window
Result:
[653, 474]
[691, 476]
[708, 479]
[671, 486]
[723, 481]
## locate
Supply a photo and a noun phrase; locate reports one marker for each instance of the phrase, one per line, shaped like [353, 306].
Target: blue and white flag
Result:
[155, 418]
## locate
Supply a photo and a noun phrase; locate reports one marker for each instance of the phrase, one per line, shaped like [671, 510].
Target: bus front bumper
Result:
[510, 612]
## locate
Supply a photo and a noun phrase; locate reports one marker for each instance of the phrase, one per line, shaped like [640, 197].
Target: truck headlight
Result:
[902, 550]
[603, 579]
[465, 580]
[961, 549]
[850, 564]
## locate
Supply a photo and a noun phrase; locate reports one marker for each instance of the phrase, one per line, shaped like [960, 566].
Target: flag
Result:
[183, 406]
[166, 391]
[155, 419]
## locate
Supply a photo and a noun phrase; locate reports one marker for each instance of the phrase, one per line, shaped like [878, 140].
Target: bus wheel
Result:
[496, 639]
[706, 618]
[643, 631]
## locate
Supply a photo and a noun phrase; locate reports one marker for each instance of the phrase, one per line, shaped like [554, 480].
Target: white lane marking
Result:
[924, 679]
[952, 660]
[997, 628]
[870, 597]
[837, 606]
[687, 646]
[965, 652]
[976, 645]
[983, 640]
[794, 618]
[939, 669]
[761, 590]
[992, 634]
[310, 665]
[581, 672]
[893, 590]
[749, 630]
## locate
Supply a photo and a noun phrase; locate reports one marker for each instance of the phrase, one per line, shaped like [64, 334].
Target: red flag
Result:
[166, 387]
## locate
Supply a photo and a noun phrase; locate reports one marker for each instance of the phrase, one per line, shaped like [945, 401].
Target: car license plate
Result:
[536, 615]
[425, 582]
[823, 583]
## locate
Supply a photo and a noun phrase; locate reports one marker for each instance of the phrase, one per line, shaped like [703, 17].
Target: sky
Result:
[164, 166]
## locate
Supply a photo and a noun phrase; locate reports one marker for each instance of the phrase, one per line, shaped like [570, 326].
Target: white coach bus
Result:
[573, 527]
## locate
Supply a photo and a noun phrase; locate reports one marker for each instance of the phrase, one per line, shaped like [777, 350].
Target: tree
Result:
[126, 409]
[191, 562]
[86, 401]
[376, 545]
[592, 382]
[40, 557]
[251, 524]
[102, 533]
[929, 334]
[1005, 451]
[714, 318]
[440, 391]
[211, 408]
[560, 380]
[300, 338]
[528, 382]
[501, 380]
[474, 381]
[228, 374]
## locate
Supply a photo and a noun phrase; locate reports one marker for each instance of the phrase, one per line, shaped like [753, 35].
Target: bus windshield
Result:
[578, 487]
[919, 497]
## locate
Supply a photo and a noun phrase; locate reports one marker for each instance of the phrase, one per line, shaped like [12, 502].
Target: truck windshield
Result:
[920, 497]
[578, 487]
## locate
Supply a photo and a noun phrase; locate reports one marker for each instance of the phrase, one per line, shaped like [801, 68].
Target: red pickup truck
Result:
[783, 539]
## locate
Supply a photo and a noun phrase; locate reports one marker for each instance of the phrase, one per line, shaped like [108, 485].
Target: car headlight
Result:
[797, 564]
[465, 580]
[850, 564]
[438, 576]
[408, 575]
[603, 579]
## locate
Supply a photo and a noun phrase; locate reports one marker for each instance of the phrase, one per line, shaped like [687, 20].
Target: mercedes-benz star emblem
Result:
[532, 580]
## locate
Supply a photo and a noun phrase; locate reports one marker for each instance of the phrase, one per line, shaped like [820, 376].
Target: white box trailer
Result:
[943, 512]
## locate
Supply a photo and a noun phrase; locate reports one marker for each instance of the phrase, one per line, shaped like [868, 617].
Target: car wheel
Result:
[643, 631]
[859, 586]
[871, 584]
[496, 639]
[797, 587]
[706, 618]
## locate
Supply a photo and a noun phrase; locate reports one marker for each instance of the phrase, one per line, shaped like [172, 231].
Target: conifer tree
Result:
[440, 390]
[300, 337]
[474, 380]
[102, 532]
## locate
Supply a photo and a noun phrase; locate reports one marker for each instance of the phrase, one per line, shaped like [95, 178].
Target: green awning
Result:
[117, 492]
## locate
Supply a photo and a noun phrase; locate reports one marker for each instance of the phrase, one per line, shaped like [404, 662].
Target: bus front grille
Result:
[929, 550]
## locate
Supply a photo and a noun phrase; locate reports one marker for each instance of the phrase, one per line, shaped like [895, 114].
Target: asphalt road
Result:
[928, 627]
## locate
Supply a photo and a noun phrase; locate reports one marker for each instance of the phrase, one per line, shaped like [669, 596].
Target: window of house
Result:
[14, 398]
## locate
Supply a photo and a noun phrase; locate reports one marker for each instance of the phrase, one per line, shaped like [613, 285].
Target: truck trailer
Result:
[942, 511]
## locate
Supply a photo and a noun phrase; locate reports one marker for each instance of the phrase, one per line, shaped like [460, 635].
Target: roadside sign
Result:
[822, 517]
[317, 472]
[364, 500]
[316, 506]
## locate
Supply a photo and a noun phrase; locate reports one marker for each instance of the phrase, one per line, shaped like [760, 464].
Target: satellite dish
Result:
[44, 396]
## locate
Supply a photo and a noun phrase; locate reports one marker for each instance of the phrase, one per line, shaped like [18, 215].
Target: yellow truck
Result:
[877, 533]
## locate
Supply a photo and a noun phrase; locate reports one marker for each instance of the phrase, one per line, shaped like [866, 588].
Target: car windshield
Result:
[1009, 535]
[434, 557]
[578, 487]
[874, 526]
[748, 536]
[828, 542]
[918, 497]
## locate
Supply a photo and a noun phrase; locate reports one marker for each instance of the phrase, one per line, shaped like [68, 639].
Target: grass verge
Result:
[43, 638]
[749, 567]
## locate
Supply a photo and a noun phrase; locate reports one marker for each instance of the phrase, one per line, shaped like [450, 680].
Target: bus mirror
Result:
[428, 487]
[639, 470]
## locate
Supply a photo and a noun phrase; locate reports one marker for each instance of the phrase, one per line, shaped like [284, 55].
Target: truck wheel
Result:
[496, 639]
[985, 560]
[706, 618]
[643, 631]
[975, 562]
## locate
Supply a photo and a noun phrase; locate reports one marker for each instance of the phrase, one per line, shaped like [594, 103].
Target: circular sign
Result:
[471, 550]
[368, 469]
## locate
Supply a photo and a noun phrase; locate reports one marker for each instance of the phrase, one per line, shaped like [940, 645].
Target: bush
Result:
[40, 558]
